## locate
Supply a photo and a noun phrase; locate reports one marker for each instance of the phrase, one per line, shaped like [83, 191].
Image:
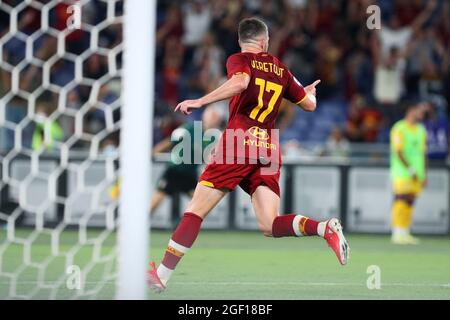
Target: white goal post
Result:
[73, 75]
[137, 112]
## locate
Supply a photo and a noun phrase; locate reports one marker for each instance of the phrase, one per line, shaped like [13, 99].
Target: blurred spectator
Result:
[95, 67]
[371, 71]
[327, 59]
[437, 127]
[197, 19]
[392, 49]
[97, 115]
[269, 11]
[389, 75]
[224, 25]
[73, 100]
[63, 72]
[29, 20]
[294, 150]
[172, 25]
[296, 4]
[209, 59]
[110, 146]
[46, 131]
[425, 65]
[299, 56]
[364, 122]
[337, 145]
[172, 71]
[15, 112]
[396, 35]
[77, 41]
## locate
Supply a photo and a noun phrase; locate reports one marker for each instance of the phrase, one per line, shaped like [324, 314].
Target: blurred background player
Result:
[408, 170]
[257, 83]
[43, 126]
[179, 176]
[182, 177]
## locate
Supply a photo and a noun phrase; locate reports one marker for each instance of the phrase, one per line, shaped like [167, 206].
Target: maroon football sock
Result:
[182, 239]
[293, 225]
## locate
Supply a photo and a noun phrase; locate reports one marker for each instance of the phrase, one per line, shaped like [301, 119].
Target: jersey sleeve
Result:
[397, 139]
[294, 91]
[237, 64]
[425, 139]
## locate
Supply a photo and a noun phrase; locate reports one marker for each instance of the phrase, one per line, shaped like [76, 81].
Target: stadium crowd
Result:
[368, 76]
[371, 74]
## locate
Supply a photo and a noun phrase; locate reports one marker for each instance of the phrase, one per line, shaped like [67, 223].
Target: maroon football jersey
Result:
[270, 82]
[255, 110]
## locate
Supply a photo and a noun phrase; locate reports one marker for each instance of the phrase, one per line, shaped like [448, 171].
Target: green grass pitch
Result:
[246, 265]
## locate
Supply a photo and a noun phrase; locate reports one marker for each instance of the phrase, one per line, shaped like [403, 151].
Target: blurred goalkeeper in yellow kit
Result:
[408, 170]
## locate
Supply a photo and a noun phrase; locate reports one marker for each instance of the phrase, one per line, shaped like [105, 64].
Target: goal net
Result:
[60, 119]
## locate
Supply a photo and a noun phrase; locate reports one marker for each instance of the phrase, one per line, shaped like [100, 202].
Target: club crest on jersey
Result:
[259, 133]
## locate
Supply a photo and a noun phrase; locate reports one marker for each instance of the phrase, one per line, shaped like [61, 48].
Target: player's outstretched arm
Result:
[234, 86]
[310, 102]
[162, 146]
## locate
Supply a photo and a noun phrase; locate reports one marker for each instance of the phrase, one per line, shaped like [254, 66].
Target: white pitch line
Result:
[249, 283]
[306, 284]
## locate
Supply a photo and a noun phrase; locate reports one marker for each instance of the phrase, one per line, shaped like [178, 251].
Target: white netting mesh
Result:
[59, 122]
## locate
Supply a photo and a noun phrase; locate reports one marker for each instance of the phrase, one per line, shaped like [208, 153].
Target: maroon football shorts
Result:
[247, 176]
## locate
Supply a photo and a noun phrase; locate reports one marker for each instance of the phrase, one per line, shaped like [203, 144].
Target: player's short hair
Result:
[413, 104]
[251, 28]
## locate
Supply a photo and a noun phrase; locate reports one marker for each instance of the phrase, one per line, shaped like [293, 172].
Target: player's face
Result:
[419, 112]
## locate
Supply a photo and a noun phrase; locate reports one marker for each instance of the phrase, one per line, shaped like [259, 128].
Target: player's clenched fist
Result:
[188, 105]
